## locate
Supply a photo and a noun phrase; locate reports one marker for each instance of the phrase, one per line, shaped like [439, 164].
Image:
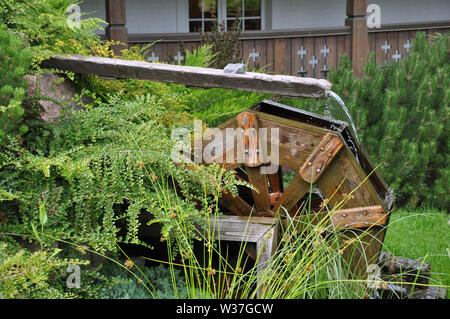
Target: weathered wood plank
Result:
[342, 179]
[260, 182]
[236, 205]
[248, 133]
[276, 181]
[359, 217]
[294, 192]
[320, 158]
[290, 86]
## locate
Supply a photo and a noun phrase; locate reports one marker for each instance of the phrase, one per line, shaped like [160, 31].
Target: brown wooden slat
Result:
[341, 179]
[403, 38]
[340, 47]
[269, 51]
[318, 45]
[380, 56]
[392, 39]
[295, 143]
[294, 192]
[321, 157]
[296, 62]
[359, 217]
[332, 59]
[261, 48]
[259, 180]
[282, 56]
[236, 205]
[248, 133]
[308, 44]
[247, 48]
[276, 181]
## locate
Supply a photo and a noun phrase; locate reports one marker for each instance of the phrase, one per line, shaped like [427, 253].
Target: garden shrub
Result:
[401, 113]
[95, 169]
[44, 23]
[15, 60]
[41, 274]
[158, 280]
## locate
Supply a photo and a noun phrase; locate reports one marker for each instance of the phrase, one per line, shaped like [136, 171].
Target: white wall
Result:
[406, 11]
[148, 16]
[294, 14]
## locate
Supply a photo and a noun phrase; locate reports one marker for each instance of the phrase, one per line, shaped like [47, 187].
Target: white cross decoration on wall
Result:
[313, 62]
[407, 46]
[153, 58]
[396, 56]
[325, 50]
[302, 52]
[386, 47]
[179, 57]
[253, 55]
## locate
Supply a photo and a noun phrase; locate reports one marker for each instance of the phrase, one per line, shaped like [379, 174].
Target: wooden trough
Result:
[319, 150]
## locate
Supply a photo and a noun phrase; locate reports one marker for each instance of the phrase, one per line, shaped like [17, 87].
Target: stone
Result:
[235, 68]
[409, 270]
[52, 93]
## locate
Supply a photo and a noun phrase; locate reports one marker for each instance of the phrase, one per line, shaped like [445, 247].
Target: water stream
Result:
[336, 109]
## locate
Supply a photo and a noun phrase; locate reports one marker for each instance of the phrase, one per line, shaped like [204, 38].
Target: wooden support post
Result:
[116, 18]
[356, 19]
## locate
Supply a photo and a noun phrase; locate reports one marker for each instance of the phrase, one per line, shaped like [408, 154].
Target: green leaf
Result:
[43, 214]
[36, 233]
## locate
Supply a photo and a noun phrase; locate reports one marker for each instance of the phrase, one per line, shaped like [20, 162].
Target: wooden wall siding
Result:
[394, 45]
[308, 56]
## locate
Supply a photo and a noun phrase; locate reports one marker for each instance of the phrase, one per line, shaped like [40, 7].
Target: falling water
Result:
[340, 112]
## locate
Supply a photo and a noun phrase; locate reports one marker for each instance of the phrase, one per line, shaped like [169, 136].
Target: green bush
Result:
[42, 275]
[44, 25]
[96, 171]
[15, 60]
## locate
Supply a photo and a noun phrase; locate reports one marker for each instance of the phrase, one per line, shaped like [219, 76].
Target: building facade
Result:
[300, 37]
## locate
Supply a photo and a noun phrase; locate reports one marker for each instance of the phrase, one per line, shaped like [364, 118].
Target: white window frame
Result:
[222, 15]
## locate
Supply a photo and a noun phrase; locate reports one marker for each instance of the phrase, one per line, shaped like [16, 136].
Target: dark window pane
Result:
[195, 26]
[253, 24]
[234, 8]
[234, 24]
[209, 25]
[195, 9]
[252, 8]
[209, 9]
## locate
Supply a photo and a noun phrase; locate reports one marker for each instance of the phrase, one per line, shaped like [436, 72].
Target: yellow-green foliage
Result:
[32, 275]
[15, 60]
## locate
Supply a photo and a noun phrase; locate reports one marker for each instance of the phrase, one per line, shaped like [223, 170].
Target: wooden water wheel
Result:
[319, 153]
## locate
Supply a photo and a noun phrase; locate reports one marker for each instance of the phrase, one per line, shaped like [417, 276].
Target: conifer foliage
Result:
[15, 60]
[401, 112]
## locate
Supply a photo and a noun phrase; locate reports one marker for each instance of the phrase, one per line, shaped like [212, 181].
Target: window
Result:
[204, 13]
[247, 11]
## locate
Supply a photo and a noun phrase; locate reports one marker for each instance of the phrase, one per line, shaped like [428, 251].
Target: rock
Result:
[236, 68]
[408, 270]
[53, 93]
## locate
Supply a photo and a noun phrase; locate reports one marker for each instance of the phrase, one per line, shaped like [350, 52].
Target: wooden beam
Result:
[116, 18]
[249, 136]
[356, 19]
[294, 192]
[360, 217]
[320, 158]
[290, 86]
